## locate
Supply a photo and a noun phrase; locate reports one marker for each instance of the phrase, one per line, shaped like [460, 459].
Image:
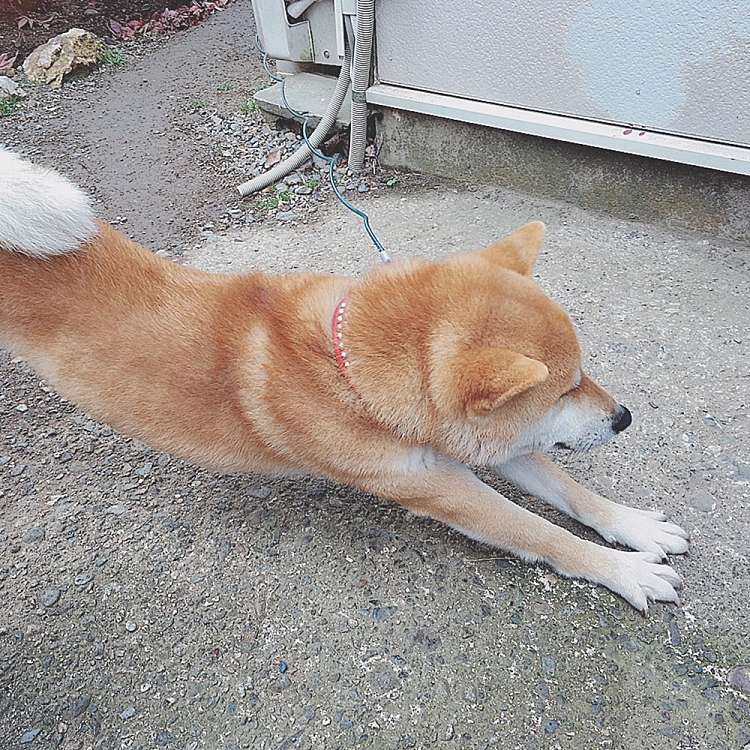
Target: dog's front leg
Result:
[643, 530]
[449, 492]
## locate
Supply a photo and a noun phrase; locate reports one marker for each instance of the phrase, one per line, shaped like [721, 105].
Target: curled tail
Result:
[42, 213]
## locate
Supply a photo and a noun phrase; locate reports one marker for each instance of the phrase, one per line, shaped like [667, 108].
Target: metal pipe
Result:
[316, 138]
[360, 82]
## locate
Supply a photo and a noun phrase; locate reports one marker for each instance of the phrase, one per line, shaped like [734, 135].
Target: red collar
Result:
[340, 353]
[337, 331]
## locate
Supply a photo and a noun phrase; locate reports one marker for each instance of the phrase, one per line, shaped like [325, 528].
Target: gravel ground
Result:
[150, 604]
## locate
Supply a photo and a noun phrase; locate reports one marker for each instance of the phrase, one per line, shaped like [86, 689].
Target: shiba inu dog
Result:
[393, 383]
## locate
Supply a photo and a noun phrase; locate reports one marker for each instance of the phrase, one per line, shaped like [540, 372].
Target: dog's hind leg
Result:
[643, 530]
[449, 492]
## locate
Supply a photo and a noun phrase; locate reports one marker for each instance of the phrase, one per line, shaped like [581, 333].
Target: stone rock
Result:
[54, 59]
[701, 500]
[8, 88]
[49, 597]
[28, 737]
[34, 534]
[739, 678]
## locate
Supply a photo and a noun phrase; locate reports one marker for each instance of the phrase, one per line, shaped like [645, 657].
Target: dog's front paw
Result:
[639, 578]
[645, 531]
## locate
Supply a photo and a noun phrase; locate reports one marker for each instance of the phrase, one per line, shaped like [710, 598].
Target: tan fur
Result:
[451, 363]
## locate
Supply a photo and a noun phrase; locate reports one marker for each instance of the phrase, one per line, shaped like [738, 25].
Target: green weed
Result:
[277, 200]
[9, 105]
[112, 56]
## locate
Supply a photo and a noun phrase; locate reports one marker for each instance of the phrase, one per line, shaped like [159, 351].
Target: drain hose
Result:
[316, 138]
[360, 82]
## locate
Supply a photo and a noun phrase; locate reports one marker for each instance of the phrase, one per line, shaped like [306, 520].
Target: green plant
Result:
[277, 200]
[312, 183]
[197, 104]
[9, 105]
[248, 107]
[112, 56]
[224, 87]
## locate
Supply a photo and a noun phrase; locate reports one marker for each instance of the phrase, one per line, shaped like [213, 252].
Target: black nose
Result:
[622, 419]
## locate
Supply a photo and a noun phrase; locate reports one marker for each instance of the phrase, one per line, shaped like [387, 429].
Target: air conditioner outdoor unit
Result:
[656, 83]
[303, 31]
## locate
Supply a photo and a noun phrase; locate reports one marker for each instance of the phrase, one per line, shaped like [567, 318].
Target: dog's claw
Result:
[639, 578]
[646, 531]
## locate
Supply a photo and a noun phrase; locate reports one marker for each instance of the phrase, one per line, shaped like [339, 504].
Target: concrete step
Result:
[305, 92]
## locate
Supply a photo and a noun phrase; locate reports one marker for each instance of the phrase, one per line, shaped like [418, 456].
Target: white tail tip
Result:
[42, 213]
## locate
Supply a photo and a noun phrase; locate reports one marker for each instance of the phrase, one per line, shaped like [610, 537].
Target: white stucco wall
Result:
[677, 66]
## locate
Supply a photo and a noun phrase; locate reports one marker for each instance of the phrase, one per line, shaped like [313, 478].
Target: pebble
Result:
[363, 187]
[551, 726]
[381, 614]
[127, 713]
[293, 179]
[82, 579]
[548, 665]
[34, 534]
[145, 470]
[260, 491]
[287, 216]
[164, 738]
[22, 408]
[28, 737]
[674, 634]
[49, 597]
[283, 666]
[17, 470]
[739, 678]
[80, 705]
[303, 190]
[701, 500]
[116, 510]
[130, 626]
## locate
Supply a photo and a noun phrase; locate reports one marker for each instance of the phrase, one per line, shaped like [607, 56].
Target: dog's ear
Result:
[488, 377]
[518, 252]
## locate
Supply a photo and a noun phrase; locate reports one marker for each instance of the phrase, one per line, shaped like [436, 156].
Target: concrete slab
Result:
[305, 92]
[402, 633]
[624, 185]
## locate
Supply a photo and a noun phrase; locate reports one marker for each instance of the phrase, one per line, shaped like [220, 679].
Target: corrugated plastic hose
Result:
[316, 138]
[360, 82]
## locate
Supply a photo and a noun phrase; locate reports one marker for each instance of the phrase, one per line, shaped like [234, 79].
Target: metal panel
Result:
[676, 66]
[600, 135]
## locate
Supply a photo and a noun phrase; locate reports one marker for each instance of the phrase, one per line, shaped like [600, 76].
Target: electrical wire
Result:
[331, 161]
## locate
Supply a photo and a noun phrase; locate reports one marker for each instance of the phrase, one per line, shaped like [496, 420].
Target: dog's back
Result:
[143, 344]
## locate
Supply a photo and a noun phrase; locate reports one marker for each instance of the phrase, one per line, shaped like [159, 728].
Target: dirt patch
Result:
[25, 24]
[132, 134]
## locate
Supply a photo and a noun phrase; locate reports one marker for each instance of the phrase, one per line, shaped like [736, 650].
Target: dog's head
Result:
[506, 376]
